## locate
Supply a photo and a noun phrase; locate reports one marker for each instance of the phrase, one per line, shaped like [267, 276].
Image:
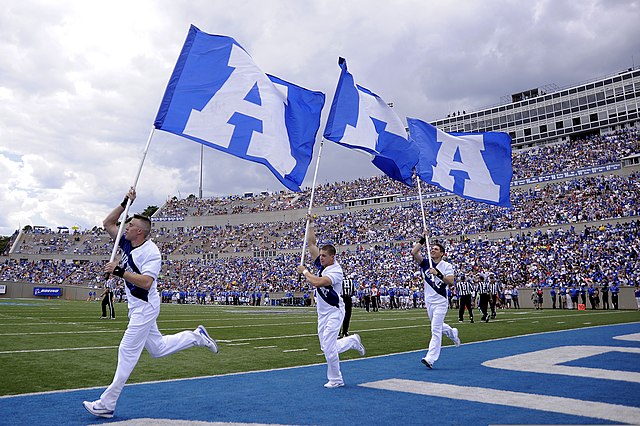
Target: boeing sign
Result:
[47, 291]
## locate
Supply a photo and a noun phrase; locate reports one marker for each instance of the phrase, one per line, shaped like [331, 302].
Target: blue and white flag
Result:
[217, 96]
[360, 119]
[476, 166]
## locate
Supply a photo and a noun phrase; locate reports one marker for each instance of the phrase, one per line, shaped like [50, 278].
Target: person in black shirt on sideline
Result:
[465, 289]
[484, 288]
[107, 301]
[347, 292]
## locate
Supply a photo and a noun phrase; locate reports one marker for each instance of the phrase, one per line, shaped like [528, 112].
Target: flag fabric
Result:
[360, 119]
[476, 166]
[217, 96]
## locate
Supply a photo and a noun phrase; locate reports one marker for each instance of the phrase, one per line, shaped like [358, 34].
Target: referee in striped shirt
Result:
[465, 289]
[485, 291]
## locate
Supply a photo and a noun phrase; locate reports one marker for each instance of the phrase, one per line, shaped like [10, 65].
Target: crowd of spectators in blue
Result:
[374, 244]
[584, 199]
[537, 161]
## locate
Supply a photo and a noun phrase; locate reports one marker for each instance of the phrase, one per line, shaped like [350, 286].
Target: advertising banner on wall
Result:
[47, 291]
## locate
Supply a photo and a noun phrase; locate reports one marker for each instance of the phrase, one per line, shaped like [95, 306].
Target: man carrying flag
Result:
[438, 275]
[218, 97]
[330, 307]
[139, 268]
[475, 166]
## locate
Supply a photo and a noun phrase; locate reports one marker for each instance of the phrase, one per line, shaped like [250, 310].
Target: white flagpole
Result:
[313, 190]
[424, 222]
[126, 209]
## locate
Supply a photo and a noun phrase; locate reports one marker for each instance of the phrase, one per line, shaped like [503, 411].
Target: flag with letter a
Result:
[217, 96]
[476, 166]
[359, 119]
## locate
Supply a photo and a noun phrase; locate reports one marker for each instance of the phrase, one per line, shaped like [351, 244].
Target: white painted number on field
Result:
[635, 337]
[549, 361]
[598, 410]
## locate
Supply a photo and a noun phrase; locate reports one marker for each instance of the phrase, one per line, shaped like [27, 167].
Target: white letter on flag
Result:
[214, 124]
[365, 133]
[480, 184]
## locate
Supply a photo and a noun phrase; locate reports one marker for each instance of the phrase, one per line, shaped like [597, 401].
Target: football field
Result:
[51, 345]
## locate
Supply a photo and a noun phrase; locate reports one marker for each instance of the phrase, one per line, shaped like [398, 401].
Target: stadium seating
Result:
[558, 231]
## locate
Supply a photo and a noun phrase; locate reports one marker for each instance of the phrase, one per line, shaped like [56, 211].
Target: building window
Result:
[576, 121]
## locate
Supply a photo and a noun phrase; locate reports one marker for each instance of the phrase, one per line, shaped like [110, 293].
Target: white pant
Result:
[328, 329]
[142, 332]
[438, 326]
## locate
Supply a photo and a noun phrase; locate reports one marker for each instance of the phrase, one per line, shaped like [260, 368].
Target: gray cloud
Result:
[81, 82]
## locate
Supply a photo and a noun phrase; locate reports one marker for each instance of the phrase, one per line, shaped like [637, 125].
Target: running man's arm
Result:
[110, 223]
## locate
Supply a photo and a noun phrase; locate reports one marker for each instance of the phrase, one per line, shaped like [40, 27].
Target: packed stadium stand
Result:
[575, 220]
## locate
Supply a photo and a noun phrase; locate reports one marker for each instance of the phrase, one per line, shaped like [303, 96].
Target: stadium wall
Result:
[25, 290]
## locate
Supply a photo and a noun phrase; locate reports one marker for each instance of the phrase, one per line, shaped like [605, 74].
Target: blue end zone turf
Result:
[586, 376]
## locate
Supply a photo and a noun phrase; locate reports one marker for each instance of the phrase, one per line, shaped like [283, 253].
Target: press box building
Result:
[543, 116]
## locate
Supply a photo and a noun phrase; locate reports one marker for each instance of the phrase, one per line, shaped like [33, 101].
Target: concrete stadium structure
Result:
[534, 117]
[539, 116]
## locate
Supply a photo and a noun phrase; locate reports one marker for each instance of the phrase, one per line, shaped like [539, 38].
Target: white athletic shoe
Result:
[426, 363]
[97, 409]
[359, 346]
[208, 341]
[455, 338]
[331, 385]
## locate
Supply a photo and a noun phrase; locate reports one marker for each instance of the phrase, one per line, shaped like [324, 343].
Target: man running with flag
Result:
[438, 274]
[330, 307]
[139, 268]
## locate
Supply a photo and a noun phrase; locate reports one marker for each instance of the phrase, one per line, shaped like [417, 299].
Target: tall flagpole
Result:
[126, 209]
[313, 190]
[201, 157]
[424, 222]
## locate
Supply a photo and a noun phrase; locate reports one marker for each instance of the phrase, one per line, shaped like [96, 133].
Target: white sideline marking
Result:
[57, 350]
[173, 422]
[237, 344]
[547, 361]
[295, 350]
[576, 407]
[264, 347]
[634, 337]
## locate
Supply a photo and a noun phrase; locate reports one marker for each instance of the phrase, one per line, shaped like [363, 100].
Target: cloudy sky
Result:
[81, 82]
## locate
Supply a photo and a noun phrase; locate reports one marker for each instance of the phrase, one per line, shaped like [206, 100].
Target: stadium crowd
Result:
[584, 199]
[380, 239]
[537, 161]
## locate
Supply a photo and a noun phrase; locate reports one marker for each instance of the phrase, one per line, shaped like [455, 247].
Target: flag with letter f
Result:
[217, 96]
[359, 119]
[476, 166]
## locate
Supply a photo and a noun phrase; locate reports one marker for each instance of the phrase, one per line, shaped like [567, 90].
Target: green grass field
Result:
[52, 344]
